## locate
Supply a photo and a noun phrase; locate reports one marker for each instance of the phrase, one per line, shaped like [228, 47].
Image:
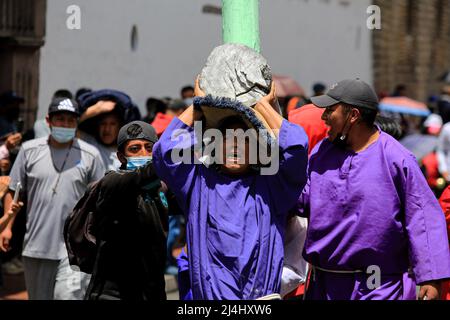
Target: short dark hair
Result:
[63, 93]
[156, 104]
[187, 88]
[319, 87]
[390, 126]
[368, 116]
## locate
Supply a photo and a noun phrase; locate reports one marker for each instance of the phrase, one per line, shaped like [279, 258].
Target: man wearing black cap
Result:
[372, 216]
[131, 242]
[54, 172]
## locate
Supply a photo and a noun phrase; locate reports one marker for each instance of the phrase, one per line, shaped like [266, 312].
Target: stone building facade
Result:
[22, 31]
[413, 46]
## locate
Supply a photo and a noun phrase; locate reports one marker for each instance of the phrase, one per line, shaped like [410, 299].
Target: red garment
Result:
[161, 122]
[296, 293]
[430, 163]
[444, 201]
[292, 104]
[310, 118]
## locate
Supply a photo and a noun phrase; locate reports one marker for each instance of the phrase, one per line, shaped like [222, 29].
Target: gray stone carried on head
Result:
[238, 72]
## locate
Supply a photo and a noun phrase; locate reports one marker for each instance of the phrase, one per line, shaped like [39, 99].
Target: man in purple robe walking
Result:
[375, 228]
[236, 217]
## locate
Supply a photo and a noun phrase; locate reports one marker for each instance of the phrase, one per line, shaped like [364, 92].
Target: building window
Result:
[134, 38]
[211, 9]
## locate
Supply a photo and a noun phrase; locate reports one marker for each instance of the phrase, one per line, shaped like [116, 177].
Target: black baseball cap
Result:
[136, 130]
[9, 97]
[353, 92]
[63, 105]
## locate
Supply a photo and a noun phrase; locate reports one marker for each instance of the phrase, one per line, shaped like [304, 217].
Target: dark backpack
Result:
[79, 231]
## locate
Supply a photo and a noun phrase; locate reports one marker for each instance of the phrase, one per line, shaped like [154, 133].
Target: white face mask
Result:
[63, 135]
[136, 162]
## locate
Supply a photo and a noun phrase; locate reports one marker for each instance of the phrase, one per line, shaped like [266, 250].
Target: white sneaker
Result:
[13, 267]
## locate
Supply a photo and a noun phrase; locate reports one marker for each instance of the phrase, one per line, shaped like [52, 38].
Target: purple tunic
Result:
[235, 226]
[184, 283]
[371, 208]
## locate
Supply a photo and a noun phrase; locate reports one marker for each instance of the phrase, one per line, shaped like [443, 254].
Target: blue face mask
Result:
[63, 135]
[136, 162]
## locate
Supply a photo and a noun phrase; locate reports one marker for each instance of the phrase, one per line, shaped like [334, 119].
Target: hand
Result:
[430, 291]
[103, 107]
[271, 98]
[5, 165]
[97, 109]
[4, 185]
[266, 106]
[107, 106]
[13, 141]
[15, 208]
[5, 238]
[197, 91]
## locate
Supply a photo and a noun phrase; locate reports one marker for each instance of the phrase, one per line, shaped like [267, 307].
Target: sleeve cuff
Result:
[292, 135]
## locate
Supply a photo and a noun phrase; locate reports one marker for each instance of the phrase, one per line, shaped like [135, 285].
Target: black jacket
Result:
[131, 243]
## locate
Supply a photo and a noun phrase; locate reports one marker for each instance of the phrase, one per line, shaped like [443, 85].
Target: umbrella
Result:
[404, 105]
[420, 144]
[286, 86]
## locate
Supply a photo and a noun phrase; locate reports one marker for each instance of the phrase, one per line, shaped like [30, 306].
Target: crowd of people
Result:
[351, 213]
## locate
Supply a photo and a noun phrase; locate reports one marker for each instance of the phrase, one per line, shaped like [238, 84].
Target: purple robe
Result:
[235, 226]
[184, 283]
[371, 208]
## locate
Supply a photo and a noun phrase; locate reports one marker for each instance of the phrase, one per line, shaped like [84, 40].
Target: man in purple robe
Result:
[375, 228]
[236, 217]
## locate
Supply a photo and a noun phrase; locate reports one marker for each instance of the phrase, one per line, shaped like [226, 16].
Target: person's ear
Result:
[121, 157]
[355, 115]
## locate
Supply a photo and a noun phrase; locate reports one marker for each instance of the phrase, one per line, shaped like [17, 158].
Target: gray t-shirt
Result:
[50, 201]
[108, 154]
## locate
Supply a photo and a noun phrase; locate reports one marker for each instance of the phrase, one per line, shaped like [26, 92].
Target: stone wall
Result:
[413, 46]
[22, 31]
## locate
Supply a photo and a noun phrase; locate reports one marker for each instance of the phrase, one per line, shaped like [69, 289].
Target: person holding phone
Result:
[13, 210]
[54, 172]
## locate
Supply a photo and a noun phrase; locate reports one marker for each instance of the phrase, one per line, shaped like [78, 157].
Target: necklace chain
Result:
[62, 169]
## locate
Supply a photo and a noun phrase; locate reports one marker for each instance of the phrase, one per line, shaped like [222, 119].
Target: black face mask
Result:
[341, 138]
[340, 141]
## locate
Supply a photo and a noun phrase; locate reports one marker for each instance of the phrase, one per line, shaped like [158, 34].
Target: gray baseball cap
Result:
[353, 92]
[136, 130]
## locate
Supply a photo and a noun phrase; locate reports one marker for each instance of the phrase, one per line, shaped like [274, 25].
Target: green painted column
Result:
[240, 21]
